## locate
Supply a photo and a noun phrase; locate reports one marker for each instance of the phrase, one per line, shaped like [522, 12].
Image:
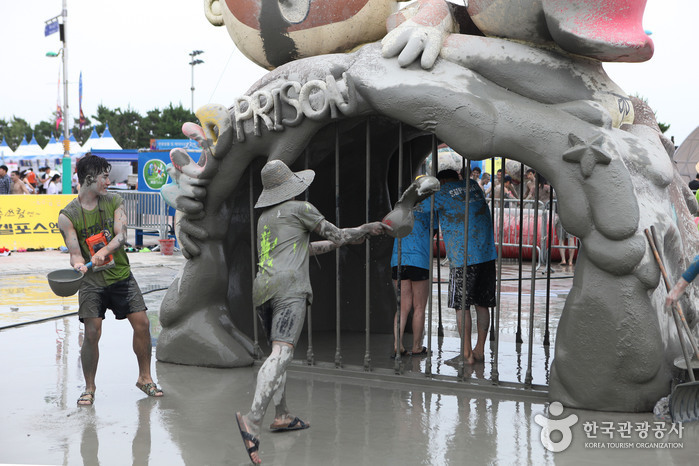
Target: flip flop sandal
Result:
[87, 397]
[296, 424]
[420, 353]
[248, 437]
[150, 389]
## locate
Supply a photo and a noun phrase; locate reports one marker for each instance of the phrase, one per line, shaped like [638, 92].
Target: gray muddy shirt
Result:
[283, 236]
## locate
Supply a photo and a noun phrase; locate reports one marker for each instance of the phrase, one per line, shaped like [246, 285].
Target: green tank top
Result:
[91, 222]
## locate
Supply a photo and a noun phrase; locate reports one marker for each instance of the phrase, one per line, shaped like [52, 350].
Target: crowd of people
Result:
[47, 181]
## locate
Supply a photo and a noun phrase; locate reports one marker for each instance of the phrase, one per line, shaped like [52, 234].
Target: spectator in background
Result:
[75, 183]
[530, 187]
[544, 191]
[30, 178]
[476, 174]
[5, 181]
[25, 179]
[496, 182]
[18, 186]
[510, 192]
[485, 181]
[48, 174]
[54, 185]
[44, 178]
[694, 184]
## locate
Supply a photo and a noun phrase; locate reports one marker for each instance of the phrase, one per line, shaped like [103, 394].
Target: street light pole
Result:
[194, 62]
[66, 162]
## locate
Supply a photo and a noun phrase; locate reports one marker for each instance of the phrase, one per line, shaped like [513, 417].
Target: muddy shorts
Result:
[282, 318]
[123, 298]
[409, 272]
[480, 285]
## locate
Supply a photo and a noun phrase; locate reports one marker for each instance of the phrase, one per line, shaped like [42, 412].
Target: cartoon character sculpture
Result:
[519, 78]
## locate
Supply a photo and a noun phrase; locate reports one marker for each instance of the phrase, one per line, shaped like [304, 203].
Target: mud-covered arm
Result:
[70, 238]
[321, 247]
[341, 236]
[687, 277]
[676, 292]
[419, 31]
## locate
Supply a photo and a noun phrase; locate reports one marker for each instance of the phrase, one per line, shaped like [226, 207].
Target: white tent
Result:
[92, 141]
[6, 152]
[106, 141]
[30, 154]
[53, 148]
[23, 150]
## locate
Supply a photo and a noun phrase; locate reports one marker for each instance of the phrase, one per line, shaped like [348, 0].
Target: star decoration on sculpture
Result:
[586, 154]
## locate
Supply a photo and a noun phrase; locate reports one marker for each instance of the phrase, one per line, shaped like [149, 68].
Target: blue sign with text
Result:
[50, 28]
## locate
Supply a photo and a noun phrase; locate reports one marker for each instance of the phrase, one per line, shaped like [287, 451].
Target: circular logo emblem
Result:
[155, 174]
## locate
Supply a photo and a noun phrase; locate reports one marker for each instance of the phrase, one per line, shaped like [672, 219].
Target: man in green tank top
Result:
[93, 226]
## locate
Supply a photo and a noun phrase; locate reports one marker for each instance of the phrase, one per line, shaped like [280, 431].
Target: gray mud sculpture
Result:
[552, 110]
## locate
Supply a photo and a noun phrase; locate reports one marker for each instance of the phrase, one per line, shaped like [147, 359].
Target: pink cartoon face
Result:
[608, 30]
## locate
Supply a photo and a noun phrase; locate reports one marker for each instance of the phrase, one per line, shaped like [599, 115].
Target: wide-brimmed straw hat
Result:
[281, 184]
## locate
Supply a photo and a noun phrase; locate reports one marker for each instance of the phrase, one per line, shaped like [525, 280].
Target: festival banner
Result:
[80, 103]
[31, 221]
[59, 112]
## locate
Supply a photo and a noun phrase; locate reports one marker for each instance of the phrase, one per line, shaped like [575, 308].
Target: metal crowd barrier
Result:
[145, 212]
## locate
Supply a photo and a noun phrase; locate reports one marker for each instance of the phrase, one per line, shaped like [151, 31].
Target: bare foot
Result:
[479, 356]
[455, 360]
[252, 443]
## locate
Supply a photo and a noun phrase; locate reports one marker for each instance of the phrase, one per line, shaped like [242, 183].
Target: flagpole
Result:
[66, 162]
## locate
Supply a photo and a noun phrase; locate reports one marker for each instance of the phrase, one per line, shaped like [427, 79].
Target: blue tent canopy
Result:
[124, 155]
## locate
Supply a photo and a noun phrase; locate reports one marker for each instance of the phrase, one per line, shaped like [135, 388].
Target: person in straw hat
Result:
[282, 286]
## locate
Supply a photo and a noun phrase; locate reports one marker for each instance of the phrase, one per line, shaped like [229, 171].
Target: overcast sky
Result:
[135, 53]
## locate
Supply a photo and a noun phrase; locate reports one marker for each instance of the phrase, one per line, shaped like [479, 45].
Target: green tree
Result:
[170, 124]
[82, 135]
[128, 127]
[43, 132]
[3, 128]
[16, 130]
[166, 124]
[125, 127]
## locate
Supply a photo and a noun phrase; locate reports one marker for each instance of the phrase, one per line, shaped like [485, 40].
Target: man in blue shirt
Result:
[5, 182]
[449, 203]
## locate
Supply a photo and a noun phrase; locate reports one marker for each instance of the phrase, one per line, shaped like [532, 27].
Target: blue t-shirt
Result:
[692, 271]
[449, 204]
[415, 248]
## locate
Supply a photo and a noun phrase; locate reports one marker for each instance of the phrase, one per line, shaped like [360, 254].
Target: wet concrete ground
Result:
[356, 418]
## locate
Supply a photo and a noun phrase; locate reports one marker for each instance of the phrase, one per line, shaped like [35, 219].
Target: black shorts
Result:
[480, 285]
[409, 272]
[123, 298]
